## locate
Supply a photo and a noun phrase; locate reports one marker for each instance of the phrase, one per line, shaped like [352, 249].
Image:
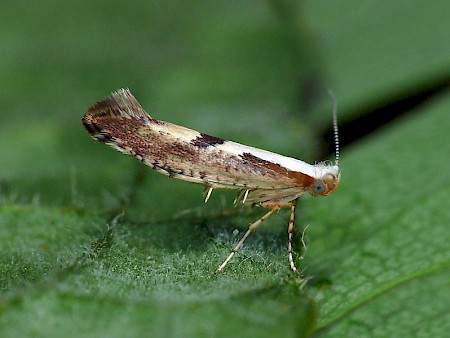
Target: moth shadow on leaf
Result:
[222, 229]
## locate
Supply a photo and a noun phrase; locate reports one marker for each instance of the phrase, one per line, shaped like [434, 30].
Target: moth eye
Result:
[318, 187]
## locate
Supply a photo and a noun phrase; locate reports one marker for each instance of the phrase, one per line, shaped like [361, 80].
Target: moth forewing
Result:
[264, 178]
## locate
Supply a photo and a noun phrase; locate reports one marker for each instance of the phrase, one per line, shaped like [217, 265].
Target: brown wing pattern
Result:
[182, 153]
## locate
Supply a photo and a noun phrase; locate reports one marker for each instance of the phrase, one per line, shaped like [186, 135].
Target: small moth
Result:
[261, 177]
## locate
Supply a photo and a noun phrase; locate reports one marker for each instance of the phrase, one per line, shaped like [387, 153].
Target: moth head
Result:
[327, 176]
[326, 182]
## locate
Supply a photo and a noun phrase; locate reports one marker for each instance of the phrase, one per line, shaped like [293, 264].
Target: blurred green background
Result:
[94, 243]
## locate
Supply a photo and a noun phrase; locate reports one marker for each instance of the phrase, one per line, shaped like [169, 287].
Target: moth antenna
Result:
[335, 125]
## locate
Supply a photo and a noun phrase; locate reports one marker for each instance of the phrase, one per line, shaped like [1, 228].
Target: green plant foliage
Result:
[95, 244]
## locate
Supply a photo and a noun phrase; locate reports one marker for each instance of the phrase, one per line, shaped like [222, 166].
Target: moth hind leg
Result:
[253, 226]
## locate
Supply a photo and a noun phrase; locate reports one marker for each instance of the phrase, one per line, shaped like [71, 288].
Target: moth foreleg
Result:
[291, 230]
[291, 227]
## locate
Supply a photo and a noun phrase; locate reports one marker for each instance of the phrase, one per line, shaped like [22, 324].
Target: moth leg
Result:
[245, 196]
[291, 229]
[238, 197]
[253, 226]
[207, 192]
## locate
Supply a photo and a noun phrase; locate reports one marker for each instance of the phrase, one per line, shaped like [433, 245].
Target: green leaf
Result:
[388, 237]
[93, 243]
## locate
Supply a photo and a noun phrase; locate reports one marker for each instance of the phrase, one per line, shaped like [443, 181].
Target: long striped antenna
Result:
[335, 125]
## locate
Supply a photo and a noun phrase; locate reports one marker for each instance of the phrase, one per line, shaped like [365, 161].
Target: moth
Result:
[262, 178]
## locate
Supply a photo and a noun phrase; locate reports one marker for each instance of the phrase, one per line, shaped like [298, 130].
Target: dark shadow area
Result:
[376, 117]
